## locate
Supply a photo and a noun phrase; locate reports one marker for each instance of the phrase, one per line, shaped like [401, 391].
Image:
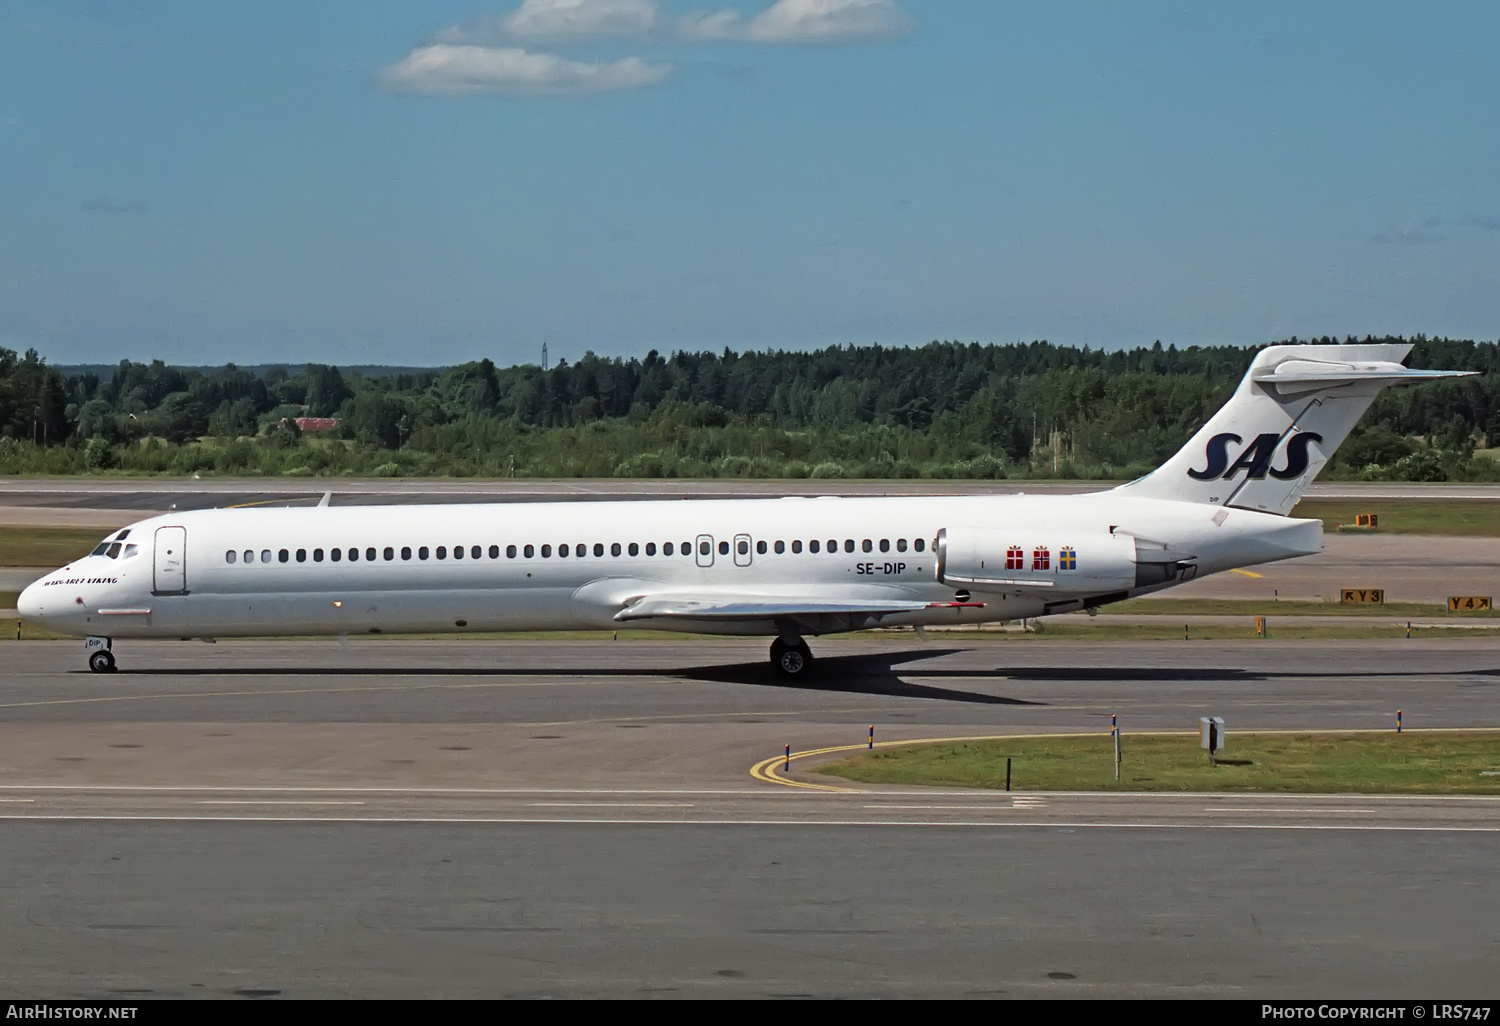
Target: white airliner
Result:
[783, 568]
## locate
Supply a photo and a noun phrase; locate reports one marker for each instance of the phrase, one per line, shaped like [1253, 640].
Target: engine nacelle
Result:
[1053, 562]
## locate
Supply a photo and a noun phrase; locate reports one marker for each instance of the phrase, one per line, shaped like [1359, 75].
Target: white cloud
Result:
[568, 19]
[457, 70]
[803, 21]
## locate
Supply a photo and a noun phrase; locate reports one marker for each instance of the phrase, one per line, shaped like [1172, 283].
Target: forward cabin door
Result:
[171, 561]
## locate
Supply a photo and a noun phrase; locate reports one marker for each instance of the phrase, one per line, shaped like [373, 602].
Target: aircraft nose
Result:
[29, 603]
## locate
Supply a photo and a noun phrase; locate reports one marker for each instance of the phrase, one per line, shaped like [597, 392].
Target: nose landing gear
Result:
[101, 659]
[791, 658]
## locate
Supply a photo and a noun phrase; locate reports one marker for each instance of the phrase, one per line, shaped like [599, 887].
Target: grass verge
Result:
[1416, 762]
[47, 546]
[1407, 516]
[1270, 607]
[1284, 629]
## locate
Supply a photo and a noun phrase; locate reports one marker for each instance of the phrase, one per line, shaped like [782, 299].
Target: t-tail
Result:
[1293, 408]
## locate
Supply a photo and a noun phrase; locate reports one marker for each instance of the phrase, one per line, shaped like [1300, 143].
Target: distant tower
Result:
[544, 356]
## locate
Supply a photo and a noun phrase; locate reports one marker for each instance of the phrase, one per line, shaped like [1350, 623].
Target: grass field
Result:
[1408, 516]
[1267, 607]
[1415, 762]
[1282, 629]
[46, 546]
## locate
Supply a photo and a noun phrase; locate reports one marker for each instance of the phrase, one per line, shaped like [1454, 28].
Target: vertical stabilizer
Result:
[1293, 408]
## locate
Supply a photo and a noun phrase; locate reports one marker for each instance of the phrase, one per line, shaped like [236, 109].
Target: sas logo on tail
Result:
[1255, 458]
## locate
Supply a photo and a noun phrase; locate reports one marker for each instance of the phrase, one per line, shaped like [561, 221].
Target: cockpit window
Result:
[132, 550]
[123, 535]
[114, 551]
[103, 548]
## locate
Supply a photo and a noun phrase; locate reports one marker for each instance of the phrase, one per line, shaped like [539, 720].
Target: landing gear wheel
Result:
[791, 660]
[102, 662]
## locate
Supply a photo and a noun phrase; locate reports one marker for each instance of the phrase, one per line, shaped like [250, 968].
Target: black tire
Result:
[791, 661]
[102, 662]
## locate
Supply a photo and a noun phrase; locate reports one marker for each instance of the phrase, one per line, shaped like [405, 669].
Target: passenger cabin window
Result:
[354, 555]
[442, 551]
[885, 545]
[867, 545]
[796, 547]
[760, 547]
[651, 548]
[389, 553]
[723, 548]
[686, 548]
[265, 555]
[900, 544]
[780, 547]
[335, 554]
[812, 546]
[423, 552]
[302, 555]
[598, 548]
[230, 556]
[370, 555]
[919, 544]
[406, 552]
[666, 549]
[562, 551]
[614, 550]
[494, 552]
[510, 552]
[704, 548]
[833, 545]
[475, 552]
[249, 556]
[743, 548]
[528, 550]
[317, 555]
[546, 551]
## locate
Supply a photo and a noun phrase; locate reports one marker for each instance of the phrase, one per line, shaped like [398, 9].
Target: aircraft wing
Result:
[773, 608]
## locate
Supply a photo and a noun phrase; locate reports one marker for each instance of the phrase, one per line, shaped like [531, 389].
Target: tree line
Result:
[943, 410]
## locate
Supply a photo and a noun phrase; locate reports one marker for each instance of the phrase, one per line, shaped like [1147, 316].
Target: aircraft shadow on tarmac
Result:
[882, 674]
[868, 674]
[873, 674]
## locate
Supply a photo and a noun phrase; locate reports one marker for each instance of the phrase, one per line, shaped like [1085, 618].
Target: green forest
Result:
[943, 410]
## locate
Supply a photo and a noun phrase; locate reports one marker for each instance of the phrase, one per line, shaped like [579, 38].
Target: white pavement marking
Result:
[1287, 812]
[678, 823]
[276, 801]
[610, 805]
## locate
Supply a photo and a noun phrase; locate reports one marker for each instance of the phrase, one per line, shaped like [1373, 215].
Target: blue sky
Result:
[424, 183]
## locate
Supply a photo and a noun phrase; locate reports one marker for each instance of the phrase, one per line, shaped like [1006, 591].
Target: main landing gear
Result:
[791, 658]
